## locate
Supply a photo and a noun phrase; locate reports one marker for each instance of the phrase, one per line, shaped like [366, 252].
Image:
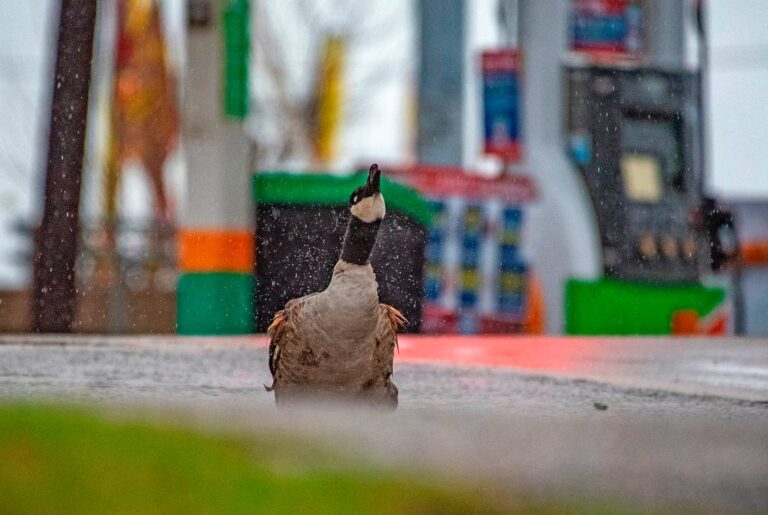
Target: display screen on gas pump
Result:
[641, 177]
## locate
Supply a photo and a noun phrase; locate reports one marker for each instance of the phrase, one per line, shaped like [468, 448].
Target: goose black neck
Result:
[359, 240]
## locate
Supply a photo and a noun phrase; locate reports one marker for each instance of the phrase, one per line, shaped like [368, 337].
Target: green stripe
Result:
[235, 20]
[328, 190]
[215, 303]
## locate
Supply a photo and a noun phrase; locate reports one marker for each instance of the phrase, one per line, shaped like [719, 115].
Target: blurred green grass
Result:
[67, 460]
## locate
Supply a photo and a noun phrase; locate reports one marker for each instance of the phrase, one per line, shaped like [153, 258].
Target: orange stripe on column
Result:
[755, 253]
[214, 250]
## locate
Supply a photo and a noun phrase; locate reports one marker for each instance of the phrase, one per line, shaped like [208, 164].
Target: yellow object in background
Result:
[145, 117]
[329, 94]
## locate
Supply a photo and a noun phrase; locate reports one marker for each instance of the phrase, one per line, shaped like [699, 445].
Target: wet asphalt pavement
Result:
[540, 432]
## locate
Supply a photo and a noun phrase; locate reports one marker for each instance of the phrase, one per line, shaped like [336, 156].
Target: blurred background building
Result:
[199, 107]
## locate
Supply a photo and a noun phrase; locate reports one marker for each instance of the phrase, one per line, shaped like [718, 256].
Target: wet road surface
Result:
[729, 367]
[644, 423]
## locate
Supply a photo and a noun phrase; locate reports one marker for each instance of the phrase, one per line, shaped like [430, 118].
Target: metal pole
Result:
[441, 82]
[508, 17]
[54, 261]
[665, 28]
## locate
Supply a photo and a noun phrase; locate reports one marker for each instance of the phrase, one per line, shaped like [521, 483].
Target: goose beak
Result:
[374, 179]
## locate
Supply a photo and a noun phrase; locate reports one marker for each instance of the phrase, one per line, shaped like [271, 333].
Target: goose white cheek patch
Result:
[370, 209]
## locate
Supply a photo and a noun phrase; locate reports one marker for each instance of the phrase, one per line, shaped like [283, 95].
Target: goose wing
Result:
[278, 331]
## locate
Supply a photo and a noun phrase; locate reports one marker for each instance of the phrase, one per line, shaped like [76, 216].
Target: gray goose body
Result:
[339, 342]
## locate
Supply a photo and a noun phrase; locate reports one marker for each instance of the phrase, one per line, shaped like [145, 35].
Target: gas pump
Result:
[620, 226]
[634, 135]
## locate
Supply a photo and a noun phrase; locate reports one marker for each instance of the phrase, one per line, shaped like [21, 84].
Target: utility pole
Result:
[54, 262]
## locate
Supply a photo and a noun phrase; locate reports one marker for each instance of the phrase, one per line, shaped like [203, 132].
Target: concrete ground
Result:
[654, 423]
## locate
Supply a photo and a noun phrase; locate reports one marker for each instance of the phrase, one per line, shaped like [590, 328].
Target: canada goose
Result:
[340, 342]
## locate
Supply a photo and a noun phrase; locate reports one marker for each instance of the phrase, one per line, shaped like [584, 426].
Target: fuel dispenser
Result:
[634, 135]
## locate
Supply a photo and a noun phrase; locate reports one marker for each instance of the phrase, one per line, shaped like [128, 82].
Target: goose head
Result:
[367, 202]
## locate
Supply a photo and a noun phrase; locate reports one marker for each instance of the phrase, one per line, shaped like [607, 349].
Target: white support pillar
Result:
[562, 231]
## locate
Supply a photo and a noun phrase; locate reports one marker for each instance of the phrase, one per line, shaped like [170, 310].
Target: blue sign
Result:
[501, 103]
